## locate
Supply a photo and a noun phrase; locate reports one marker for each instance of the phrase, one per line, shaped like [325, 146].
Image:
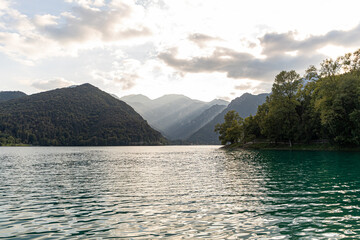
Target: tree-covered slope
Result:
[82, 115]
[245, 105]
[8, 95]
[323, 106]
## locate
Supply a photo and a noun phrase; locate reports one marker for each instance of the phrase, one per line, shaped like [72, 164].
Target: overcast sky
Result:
[204, 49]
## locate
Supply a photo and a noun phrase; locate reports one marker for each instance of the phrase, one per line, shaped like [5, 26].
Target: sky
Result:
[204, 49]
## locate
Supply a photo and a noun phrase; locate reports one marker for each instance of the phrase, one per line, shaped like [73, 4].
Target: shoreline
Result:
[237, 146]
[285, 147]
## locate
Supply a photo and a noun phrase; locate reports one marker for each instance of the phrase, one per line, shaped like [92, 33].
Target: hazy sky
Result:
[204, 49]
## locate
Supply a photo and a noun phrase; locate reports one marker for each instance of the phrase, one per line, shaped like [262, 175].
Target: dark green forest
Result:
[77, 116]
[8, 95]
[322, 106]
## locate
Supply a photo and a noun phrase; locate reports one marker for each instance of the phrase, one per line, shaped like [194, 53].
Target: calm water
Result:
[178, 192]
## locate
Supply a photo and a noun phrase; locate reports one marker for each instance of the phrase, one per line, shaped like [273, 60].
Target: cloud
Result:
[226, 98]
[124, 79]
[97, 24]
[201, 39]
[244, 86]
[27, 48]
[52, 84]
[122, 73]
[127, 80]
[45, 20]
[277, 44]
[89, 24]
[275, 55]
[3, 5]
[88, 3]
[234, 64]
[254, 87]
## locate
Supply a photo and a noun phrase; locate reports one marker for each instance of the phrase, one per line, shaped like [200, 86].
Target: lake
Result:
[177, 192]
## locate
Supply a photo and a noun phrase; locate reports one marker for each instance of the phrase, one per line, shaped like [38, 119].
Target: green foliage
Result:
[6, 140]
[80, 116]
[317, 108]
[280, 120]
[311, 73]
[309, 126]
[251, 129]
[337, 103]
[232, 129]
[330, 67]
[8, 95]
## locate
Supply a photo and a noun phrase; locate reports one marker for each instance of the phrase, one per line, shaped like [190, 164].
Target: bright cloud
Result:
[45, 20]
[3, 5]
[203, 49]
[123, 74]
[89, 24]
[52, 84]
[275, 47]
[88, 3]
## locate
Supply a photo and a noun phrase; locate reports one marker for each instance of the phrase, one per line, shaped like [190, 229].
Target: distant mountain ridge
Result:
[174, 115]
[245, 105]
[9, 95]
[81, 115]
[185, 130]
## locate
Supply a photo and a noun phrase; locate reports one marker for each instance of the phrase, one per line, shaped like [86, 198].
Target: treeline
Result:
[323, 105]
[8, 140]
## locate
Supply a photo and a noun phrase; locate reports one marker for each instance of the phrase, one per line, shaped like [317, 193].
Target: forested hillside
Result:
[8, 95]
[81, 115]
[321, 106]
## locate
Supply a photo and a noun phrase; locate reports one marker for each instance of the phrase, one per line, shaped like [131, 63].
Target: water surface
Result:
[177, 193]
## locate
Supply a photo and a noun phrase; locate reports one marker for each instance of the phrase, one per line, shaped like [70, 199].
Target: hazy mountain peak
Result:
[218, 101]
[246, 94]
[135, 98]
[172, 97]
[175, 115]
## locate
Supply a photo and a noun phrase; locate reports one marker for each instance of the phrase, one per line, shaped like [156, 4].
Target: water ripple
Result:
[177, 193]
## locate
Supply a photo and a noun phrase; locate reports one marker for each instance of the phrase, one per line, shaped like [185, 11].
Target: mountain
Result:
[136, 98]
[174, 115]
[8, 95]
[219, 102]
[185, 130]
[82, 115]
[140, 103]
[245, 105]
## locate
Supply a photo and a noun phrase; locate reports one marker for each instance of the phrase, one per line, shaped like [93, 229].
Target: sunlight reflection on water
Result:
[177, 192]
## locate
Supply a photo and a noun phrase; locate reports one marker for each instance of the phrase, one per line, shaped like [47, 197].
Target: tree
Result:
[326, 106]
[311, 73]
[345, 62]
[251, 129]
[329, 68]
[309, 127]
[232, 128]
[281, 119]
[338, 105]
[355, 63]
[286, 84]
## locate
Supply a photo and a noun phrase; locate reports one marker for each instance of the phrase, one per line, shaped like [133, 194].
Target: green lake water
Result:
[177, 192]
